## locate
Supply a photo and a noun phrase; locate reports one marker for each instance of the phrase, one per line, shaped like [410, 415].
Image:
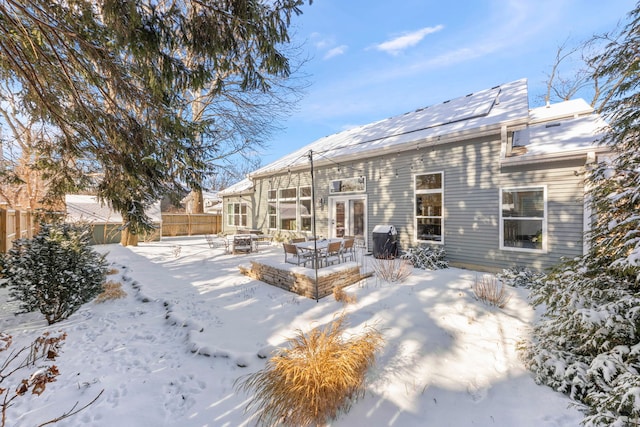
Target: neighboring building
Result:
[105, 223]
[212, 203]
[494, 183]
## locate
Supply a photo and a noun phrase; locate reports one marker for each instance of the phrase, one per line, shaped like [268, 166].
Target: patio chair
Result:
[263, 240]
[348, 250]
[241, 244]
[333, 254]
[293, 255]
[298, 240]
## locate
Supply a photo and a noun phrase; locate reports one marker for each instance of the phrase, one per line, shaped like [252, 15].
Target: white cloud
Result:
[394, 46]
[336, 51]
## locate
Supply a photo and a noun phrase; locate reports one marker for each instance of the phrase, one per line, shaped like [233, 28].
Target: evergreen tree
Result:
[56, 272]
[587, 343]
[109, 78]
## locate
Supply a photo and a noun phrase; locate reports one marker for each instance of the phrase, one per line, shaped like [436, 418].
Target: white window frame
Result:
[291, 200]
[416, 193]
[231, 214]
[544, 219]
[309, 214]
[272, 202]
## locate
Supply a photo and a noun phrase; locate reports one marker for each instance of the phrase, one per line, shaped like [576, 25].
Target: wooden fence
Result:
[15, 224]
[190, 224]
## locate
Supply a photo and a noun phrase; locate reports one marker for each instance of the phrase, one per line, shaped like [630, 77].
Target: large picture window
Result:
[523, 218]
[428, 215]
[237, 214]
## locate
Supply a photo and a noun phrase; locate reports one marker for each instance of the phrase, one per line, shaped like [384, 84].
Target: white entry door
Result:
[348, 216]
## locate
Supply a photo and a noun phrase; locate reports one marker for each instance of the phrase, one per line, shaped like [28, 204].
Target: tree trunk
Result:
[127, 238]
[198, 202]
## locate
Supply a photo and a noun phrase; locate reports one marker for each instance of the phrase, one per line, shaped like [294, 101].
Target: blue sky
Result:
[373, 59]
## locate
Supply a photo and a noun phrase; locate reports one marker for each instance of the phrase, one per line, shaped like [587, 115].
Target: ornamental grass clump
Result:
[491, 291]
[318, 376]
[341, 296]
[392, 270]
[111, 291]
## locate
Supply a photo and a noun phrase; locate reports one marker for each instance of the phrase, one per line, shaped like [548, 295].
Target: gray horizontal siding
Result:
[472, 179]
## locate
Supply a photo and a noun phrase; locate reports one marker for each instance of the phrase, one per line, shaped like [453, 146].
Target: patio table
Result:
[319, 246]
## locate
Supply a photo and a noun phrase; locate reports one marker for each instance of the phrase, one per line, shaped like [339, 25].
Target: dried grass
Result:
[319, 375]
[394, 270]
[111, 290]
[113, 271]
[341, 296]
[491, 291]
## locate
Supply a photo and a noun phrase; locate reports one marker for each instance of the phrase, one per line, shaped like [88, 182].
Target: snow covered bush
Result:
[426, 257]
[319, 375]
[55, 272]
[586, 344]
[519, 277]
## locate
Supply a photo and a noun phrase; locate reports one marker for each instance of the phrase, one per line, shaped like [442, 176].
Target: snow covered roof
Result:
[565, 109]
[206, 195]
[88, 209]
[238, 188]
[485, 110]
[574, 132]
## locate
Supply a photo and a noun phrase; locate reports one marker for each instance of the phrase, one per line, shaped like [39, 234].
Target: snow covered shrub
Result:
[319, 375]
[519, 277]
[586, 344]
[55, 272]
[426, 257]
[391, 270]
[491, 291]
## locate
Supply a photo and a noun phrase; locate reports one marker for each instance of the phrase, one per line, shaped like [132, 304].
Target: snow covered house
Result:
[491, 181]
[104, 222]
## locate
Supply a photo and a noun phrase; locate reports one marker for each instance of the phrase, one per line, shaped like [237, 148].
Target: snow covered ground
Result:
[169, 353]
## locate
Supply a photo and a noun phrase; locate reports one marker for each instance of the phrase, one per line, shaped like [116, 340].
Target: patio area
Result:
[268, 264]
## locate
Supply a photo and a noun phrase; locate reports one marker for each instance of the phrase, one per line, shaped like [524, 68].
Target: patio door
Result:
[348, 216]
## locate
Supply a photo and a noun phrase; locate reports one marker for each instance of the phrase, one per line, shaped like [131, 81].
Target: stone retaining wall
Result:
[301, 280]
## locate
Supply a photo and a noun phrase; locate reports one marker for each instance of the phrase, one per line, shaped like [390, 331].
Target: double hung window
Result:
[523, 218]
[237, 214]
[287, 211]
[304, 206]
[272, 208]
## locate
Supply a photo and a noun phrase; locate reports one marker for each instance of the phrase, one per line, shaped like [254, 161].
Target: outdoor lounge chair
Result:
[293, 255]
